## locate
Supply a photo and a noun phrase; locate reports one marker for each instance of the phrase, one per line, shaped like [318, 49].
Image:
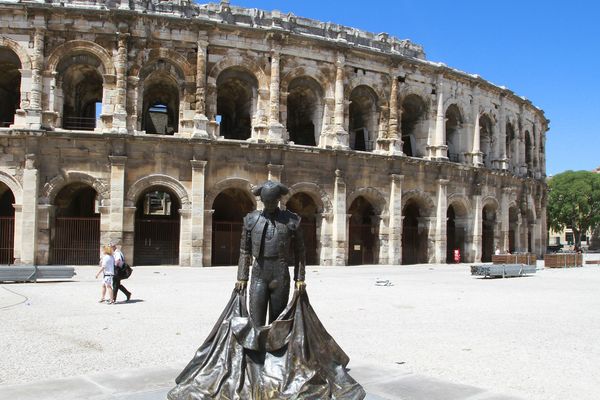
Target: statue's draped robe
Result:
[293, 358]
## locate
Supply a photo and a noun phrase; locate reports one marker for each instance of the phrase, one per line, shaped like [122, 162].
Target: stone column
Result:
[477, 228]
[438, 149]
[117, 198]
[276, 128]
[119, 122]
[339, 220]
[440, 221]
[197, 212]
[200, 119]
[324, 228]
[501, 161]
[339, 136]
[476, 154]
[29, 220]
[29, 114]
[185, 236]
[518, 239]
[390, 142]
[395, 224]
[208, 229]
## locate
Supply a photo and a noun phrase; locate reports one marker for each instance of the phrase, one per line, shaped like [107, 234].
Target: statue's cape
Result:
[293, 358]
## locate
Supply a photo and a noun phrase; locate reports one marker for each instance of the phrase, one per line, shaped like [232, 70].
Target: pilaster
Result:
[200, 119]
[117, 198]
[505, 218]
[395, 223]
[119, 121]
[477, 228]
[276, 128]
[274, 172]
[476, 154]
[440, 222]
[197, 212]
[29, 228]
[438, 150]
[339, 220]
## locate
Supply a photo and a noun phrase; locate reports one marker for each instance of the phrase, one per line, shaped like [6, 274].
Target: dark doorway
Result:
[81, 84]
[7, 225]
[455, 234]
[160, 104]
[487, 237]
[363, 118]
[10, 86]
[75, 238]
[231, 206]
[413, 131]
[157, 227]
[363, 238]
[414, 239]
[513, 221]
[303, 205]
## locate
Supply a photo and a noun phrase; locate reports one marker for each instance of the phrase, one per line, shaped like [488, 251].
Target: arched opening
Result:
[75, 237]
[413, 126]
[453, 137]
[236, 101]
[513, 229]
[487, 233]
[456, 220]
[304, 111]
[510, 145]
[303, 205]
[486, 138]
[7, 225]
[157, 227]
[363, 238]
[363, 119]
[230, 206]
[530, 230]
[414, 235]
[160, 107]
[10, 86]
[528, 158]
[81, 84]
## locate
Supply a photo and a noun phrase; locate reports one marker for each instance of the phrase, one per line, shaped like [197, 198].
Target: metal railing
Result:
[79, 123]
[7, 240]
[76, 241]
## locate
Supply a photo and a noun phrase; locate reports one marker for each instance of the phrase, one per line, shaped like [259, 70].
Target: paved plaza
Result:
[412, 332]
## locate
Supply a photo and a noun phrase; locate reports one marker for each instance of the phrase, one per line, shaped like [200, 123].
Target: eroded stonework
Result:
[129, 114]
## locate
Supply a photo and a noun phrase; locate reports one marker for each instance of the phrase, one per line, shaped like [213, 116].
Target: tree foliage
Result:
[574, 202]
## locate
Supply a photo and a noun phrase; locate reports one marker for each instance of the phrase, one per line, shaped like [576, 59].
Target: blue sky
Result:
[547, 51]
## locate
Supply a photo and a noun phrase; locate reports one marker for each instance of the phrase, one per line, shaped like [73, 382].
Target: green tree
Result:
[574, 202]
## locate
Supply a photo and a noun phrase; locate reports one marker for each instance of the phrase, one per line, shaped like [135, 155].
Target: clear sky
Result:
[547, 51]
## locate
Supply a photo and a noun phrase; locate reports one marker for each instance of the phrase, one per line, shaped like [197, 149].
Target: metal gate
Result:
[361, 240]
[487, 243]
[410, 245]
[76, 241]
[7, 240]
[226, 238]
[156, 242]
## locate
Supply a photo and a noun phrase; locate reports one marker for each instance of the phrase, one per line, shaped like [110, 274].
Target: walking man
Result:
[119, 261]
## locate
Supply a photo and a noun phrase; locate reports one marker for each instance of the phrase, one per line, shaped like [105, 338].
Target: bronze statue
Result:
[291, 358]
[271, 237]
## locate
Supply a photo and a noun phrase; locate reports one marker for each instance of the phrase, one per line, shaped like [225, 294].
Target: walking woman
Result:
[107, 268]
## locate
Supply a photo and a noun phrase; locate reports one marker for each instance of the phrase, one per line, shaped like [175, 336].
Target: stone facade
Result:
[390, 158]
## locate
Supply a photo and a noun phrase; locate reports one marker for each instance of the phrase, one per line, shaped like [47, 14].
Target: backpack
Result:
[125, 271]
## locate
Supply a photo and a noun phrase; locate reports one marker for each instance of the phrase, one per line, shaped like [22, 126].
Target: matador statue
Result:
[291, 358]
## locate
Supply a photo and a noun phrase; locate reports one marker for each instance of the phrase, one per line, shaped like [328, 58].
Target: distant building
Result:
[148, 122]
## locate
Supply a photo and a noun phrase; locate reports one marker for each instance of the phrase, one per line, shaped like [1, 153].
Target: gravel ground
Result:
[535, 337]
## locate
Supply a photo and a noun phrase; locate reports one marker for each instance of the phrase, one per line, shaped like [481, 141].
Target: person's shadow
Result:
[130, 301]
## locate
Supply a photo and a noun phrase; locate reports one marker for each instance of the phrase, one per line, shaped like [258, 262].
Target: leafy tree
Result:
[574, 202]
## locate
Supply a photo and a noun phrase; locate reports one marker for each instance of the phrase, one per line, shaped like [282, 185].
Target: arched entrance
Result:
[304, 111]
[456, 231]
[363, 237]
[160, 104]
[75, 237]
[487, 232]
[413, 125]
[453, 133]
[157, 227]
[81, 85]
[237, 92]
[414, 237]
[363, 118]
[230, 206]
[303, 205]
[10, 86]
[7, 225]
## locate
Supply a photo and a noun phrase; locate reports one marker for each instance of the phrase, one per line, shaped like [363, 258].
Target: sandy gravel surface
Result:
[536, 337]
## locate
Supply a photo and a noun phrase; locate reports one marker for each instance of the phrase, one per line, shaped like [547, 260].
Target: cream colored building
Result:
[391, 158]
